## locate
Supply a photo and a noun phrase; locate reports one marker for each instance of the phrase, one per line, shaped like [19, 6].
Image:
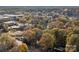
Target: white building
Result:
[13, 17]
[4, 18]
[10, 23]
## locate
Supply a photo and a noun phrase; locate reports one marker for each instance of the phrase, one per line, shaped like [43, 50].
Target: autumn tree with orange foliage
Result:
[32, 35]
[46, 41]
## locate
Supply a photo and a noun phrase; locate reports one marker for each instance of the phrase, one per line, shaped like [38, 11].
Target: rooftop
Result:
[12, 15]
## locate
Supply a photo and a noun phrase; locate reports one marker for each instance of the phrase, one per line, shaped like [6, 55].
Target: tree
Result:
[29, 34]
[38, 32]
[20, 48]
[23, 47]
[60, 37]
[6, 42]
[26, 18]
[46, 41]
[29, 37]
[76, 22]
[63, 19]
[56, 24]
[72, 43]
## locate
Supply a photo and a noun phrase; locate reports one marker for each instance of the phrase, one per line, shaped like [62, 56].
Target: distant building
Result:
[13, 17]
[16, 34]
[4, 19]
[10, 23]
[14, 27]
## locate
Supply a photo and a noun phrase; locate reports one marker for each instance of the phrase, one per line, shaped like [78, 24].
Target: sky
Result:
[33, 7]
[39, 2]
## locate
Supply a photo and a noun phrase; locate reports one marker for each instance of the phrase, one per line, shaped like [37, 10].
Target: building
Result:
[4, 19]
[13, 17]
[10, 23]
